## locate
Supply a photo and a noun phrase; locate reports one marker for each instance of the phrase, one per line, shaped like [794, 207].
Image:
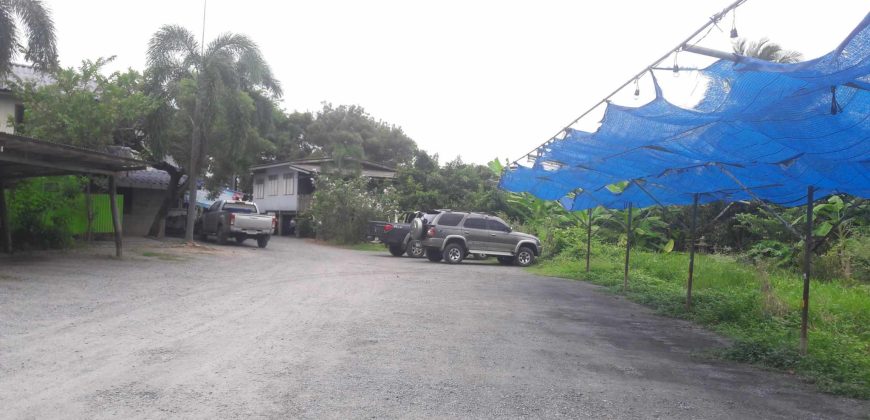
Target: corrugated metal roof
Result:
[369, 169]
[150, 178]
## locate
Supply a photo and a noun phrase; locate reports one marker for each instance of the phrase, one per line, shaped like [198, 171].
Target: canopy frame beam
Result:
[746, 189]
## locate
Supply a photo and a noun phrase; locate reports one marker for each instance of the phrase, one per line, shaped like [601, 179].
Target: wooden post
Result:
[4, 220]
[89, 209]
[116, 219]
[588, 237]
[692, 240]
[627, 250]
[808, 249]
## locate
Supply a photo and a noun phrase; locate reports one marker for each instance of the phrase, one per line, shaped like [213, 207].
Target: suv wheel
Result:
[525, 257]
[397, 250]
[415, 249]
[454, 253]
[433, 254]
[506, 260]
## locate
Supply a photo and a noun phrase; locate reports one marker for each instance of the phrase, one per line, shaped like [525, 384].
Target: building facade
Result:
[285, 189]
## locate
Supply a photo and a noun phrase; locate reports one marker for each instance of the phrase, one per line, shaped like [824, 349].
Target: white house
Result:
[11, 109]
[285, 188]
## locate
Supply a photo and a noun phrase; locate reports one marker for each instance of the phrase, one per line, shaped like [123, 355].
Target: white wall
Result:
[7, 111]
[281, 201]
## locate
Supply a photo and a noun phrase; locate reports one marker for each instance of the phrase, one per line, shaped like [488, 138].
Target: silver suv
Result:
[452, 236]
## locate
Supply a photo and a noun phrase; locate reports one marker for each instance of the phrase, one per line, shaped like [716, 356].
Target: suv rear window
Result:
[450, 219]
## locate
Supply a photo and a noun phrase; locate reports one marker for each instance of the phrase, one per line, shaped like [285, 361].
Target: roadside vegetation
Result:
[759, 310]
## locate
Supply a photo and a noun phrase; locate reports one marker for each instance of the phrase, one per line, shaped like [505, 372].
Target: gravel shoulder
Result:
[310, 331]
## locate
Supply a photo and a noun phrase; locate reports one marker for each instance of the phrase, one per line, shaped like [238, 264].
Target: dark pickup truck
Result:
[396, 236]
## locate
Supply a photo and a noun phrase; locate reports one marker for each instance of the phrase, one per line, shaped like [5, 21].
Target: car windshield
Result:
[243, 208]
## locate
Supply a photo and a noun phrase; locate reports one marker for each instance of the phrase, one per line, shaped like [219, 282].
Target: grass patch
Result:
[758, 310]
[162, 256]
[366, 246]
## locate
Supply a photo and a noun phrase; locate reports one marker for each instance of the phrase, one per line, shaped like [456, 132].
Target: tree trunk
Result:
[173, 192]
[193, 169]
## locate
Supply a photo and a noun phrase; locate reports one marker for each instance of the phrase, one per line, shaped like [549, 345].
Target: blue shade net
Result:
[762, 131]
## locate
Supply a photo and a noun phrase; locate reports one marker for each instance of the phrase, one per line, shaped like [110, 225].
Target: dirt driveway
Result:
[301, 330]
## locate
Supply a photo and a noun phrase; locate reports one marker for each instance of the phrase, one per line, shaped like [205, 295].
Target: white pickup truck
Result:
[236, 219]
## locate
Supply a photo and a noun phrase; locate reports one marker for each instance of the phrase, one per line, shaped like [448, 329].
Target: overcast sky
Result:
[478, 79]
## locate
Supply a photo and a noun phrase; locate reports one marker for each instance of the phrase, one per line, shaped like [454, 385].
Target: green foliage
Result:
[424, 184]
[31, 19]
[342, 207]
[759, 310]
[772, 252]
[41, 211]
[348, 131]
[85, 108]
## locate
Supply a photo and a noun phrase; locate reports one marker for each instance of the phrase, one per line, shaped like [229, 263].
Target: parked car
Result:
[452, 236]
[239, 220]
[396, 236]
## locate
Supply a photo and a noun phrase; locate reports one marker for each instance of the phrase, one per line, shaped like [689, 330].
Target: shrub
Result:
[41, 212]
[342, 207]
[772, 252]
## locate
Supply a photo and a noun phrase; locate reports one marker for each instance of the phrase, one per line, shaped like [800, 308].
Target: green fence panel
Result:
[102, 214]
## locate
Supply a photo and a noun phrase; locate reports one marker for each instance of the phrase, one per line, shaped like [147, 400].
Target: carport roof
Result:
[23, 157]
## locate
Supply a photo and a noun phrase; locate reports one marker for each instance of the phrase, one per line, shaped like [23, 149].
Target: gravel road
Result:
[308, 331]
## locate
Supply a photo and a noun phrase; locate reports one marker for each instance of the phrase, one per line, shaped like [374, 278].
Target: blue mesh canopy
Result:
[763, 130]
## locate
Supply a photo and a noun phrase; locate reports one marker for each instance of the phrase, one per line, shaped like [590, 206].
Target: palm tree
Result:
[41, 48]
[230, 61]
[764, 49]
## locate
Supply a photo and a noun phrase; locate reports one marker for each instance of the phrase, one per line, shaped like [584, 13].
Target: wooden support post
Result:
[588, 237]
[808, 249]
[692, 240]
[116, 219]
[4, 220]
[627, 250]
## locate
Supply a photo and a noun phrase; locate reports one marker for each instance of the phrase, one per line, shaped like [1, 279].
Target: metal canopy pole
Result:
[116, 219]
[627, 250]
[4, 220]
[692, 252]
[808, 249]
[588, 236]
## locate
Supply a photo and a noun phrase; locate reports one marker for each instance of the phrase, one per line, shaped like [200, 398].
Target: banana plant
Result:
[648, 230]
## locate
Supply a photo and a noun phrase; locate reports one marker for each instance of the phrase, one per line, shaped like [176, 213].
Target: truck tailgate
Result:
[259, 223]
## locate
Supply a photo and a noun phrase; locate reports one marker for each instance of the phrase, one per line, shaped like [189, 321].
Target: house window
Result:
[259, 188]
[19, 114]
[272, 185]
[289, 184]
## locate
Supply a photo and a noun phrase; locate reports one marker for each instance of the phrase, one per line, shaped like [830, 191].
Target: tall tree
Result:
[85, 108]
[349, 131]
[764, 49]
[231, 63]
[41, 48]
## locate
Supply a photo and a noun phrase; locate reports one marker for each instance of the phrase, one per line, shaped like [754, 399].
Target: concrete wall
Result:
[139, 213]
